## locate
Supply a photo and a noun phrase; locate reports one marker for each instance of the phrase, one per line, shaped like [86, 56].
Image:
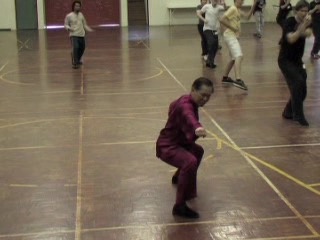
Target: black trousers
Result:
[78, 47]
[296, 78]
[316, 43]
[204, 44]
[213, 43]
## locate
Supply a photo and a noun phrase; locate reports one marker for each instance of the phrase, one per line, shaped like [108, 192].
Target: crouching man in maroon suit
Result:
[176, 143]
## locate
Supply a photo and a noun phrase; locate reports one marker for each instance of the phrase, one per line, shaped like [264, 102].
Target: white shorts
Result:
[233, 46]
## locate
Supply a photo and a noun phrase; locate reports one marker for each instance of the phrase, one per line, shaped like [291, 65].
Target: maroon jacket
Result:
[183, 120]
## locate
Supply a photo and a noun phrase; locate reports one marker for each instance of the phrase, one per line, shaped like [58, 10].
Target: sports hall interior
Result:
[77, 146]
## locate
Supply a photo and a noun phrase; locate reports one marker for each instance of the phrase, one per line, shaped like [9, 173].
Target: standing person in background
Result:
[176, 143]
[204, 45]
[231, 19]
[284, 8]
[258, 7]
[77, 26]
[315, 13]
[221, 28]
[295, 31]
[210, 29]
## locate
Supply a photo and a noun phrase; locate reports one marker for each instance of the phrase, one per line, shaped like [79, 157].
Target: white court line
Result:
[253, 165]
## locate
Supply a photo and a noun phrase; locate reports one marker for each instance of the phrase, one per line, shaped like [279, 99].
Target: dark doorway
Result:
[138, 12]
[26, 14]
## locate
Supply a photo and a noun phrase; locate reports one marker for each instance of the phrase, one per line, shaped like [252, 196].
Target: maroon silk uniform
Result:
[176, 145]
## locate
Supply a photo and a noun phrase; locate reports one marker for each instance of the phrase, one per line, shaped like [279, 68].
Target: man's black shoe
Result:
[302, 121]
[183, 210]
[287, 116]
[227, 80]
[240, 84]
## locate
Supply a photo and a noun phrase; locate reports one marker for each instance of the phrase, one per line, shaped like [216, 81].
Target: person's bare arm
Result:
[199, 14]
[285, 5]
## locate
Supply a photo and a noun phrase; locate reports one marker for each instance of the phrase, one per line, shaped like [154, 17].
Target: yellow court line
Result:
[263, 176]
[34, 147]
[3, 66]
[141, 41]
[312, 216]
[249, 159]
[145, 45]
[156, 75]
[314, 185]
[274, 168]
[82, 82]
[70, 185]
[148, 226]
[23, 185]
[127, 93]
[35, 186]
[283, 198]
[23, 44]
[207, 158]
[199, 223]
[150, 77]
[35, 234]
[13, 82]
[285, 237]
[36, 121]
[283, 173]
[79, 180]
[121, 143]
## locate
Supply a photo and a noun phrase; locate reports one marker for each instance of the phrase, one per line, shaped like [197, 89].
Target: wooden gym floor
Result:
[78, 146]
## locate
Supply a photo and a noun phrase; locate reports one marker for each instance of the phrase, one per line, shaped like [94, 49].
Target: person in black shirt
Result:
[295, 30]
[284, 9]
[315, 13]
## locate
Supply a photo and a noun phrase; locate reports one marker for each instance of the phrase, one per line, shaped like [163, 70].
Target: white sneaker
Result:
[205, 57]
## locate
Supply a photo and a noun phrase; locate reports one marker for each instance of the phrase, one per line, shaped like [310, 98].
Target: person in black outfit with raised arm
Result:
[295, 31]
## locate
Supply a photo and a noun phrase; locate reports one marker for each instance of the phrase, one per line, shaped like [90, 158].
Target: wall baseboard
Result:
[5, 29]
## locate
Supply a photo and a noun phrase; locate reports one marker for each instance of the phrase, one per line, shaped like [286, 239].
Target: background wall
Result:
[97, 12]
[158, 12]
[7, 14]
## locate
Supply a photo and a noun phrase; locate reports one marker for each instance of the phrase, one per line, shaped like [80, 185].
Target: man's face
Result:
[239, 3]
[302, 13]
[203, 2]
[201, 96]
[77, 7]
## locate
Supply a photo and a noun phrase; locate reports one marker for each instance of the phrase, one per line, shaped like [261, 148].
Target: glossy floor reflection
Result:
[78, 146]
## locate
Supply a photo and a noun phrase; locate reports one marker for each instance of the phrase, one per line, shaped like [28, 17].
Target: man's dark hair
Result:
[197, 84]
[74, 3]
[301, 4]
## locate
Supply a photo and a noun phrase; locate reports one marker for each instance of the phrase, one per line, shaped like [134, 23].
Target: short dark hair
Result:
[197, 84]
[301, 4]
[74, 3]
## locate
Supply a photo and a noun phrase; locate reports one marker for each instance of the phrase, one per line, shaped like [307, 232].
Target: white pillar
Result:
[41, 14]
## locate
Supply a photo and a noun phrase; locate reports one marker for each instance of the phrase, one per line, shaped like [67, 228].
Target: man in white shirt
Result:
[77, 26]
[210, 29]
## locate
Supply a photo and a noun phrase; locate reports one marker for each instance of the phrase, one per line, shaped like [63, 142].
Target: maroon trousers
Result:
[187, 160]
